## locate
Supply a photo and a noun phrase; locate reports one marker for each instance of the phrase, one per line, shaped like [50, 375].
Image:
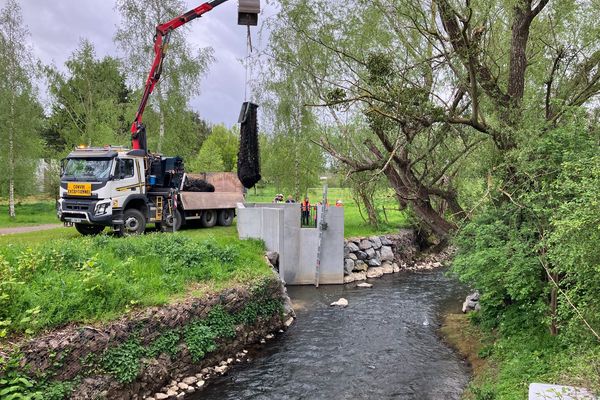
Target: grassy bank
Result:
[81, 279]
[28, 213]
[504, 367]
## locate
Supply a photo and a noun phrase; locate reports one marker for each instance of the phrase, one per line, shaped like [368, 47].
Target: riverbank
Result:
[157, 352]
[468, 341]
[503, 368]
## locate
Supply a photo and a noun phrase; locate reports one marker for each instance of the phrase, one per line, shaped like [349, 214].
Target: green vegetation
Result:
[504, 366]
[29, 214]
[124, 362]
[90, 279]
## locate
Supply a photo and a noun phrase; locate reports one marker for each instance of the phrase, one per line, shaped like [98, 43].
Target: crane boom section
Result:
[161, 42]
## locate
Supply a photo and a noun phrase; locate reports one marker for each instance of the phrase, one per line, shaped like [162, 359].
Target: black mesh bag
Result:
[248, 157]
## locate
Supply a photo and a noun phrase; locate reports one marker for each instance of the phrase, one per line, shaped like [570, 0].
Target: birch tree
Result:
[20, 113]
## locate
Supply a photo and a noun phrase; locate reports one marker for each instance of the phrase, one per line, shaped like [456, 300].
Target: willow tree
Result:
[436, 81]
[183, 69]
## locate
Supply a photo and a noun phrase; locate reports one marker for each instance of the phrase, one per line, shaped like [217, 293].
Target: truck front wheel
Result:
[89, 230]
[226, 217]
[208, 219]
[134, 222]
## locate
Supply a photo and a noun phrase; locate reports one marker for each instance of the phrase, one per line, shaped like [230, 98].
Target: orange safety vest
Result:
[305, 206]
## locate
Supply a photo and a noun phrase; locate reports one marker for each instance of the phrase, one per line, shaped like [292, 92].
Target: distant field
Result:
[354, 223]
[34, 213]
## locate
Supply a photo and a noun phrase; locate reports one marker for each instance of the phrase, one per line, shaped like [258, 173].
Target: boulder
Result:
[190, 380]
[387, 268]
[349, 278]
[361, 255]
[161, 396]
[365, 244]
[359, 276]
[352, 247]
[346, 251]
[171, 393]
[375, 272]
[183, 386]
[376, 241]
[352, 256]
[385, 241]
[370, 253]
[471, 303]
[342, 302]
[386, 253]
[364, 285]
[348, 266]
[273, 257]
[396, 268]
[374, 262]
[360, 265]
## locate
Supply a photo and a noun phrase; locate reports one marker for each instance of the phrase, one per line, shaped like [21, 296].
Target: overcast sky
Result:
[57, 27]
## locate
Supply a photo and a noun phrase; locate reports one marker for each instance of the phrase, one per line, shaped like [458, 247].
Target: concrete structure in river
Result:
[279, 226]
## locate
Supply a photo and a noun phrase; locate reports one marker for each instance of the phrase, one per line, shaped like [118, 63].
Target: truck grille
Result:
[76, 206]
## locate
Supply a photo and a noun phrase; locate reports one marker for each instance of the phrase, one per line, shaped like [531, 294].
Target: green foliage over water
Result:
[534, 256]
[99, 278]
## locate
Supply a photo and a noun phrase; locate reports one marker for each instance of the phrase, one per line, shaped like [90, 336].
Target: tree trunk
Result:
[11, 159]
[11, 180]
[371, 212]
[554, 306]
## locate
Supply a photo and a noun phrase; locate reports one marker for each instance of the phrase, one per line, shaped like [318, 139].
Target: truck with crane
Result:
[126, 189]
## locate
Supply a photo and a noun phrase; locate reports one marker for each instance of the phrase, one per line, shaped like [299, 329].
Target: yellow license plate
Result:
[79, 189]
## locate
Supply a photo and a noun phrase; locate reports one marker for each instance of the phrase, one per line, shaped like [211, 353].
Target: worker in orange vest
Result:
[305, 208]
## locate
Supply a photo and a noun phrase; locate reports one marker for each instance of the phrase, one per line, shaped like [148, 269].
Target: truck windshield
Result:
[88, 169]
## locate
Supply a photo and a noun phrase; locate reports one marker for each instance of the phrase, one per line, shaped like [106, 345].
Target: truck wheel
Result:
[208, 218]
[226, 217]
[89, 230]
[134, 222]
[167, 226]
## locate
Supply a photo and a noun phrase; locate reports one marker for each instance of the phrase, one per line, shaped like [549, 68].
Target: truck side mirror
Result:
[62, 166]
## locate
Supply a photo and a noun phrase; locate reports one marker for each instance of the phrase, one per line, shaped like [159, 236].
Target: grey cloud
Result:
[57, 27]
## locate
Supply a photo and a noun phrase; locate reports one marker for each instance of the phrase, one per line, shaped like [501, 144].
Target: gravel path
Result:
[25, 229]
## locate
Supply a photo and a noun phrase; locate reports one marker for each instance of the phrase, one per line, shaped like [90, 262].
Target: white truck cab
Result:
[97, 184]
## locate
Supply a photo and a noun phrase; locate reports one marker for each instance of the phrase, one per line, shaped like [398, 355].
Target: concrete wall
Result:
[279, 226]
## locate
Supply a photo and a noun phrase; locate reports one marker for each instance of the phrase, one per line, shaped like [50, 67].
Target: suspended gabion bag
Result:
[248, 157]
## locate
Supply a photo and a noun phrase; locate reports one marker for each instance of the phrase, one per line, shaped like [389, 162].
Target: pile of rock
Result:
[371, 258]
[179, 388]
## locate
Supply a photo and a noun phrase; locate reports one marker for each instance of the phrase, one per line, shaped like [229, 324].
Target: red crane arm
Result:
[161, 42]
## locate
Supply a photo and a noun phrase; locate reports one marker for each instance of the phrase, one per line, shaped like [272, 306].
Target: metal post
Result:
[322, 227]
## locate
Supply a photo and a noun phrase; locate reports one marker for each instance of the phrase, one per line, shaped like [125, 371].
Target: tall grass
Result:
[99, 278]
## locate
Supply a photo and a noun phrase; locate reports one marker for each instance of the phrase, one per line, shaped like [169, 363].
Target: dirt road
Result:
[25, 229]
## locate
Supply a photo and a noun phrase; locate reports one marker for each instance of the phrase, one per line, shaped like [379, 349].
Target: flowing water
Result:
[384, 345]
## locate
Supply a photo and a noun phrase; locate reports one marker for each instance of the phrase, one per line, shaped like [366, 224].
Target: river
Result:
[384, 345]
